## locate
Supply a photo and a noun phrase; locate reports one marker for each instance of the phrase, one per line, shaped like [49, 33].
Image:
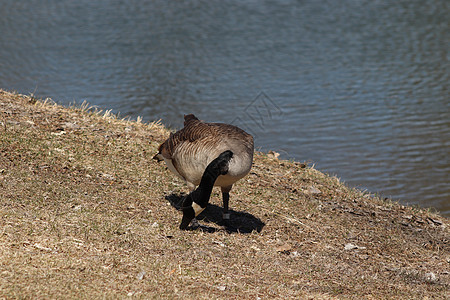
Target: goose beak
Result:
[158, 157]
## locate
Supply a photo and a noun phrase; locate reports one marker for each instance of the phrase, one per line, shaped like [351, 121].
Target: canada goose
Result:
[188, 152]
[199, 198]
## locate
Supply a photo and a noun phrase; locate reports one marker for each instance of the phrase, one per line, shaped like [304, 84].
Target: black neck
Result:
[203, 192]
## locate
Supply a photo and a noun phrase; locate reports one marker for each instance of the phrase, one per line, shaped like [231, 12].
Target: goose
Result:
[188, 152]
[199, 198]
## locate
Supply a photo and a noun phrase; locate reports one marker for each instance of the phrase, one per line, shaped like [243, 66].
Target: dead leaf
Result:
[285, 248]
[273, 154]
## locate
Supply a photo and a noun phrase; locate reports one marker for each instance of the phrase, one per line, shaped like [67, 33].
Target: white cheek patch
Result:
[197, 208]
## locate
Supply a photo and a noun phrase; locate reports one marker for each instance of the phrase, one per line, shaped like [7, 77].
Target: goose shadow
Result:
[240, 222]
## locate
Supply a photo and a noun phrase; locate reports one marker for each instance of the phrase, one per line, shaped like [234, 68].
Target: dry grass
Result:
[84, 214]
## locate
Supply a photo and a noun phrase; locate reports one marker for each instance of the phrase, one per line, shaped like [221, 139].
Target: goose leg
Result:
[226, 199]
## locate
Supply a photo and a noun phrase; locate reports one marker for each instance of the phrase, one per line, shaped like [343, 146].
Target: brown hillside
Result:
[85, 213]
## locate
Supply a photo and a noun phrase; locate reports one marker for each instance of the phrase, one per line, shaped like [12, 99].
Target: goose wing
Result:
[193, 130]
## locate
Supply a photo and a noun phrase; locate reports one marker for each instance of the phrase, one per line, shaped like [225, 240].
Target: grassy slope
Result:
[84, 214]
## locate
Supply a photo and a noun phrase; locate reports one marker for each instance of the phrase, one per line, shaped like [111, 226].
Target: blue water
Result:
[358, 88]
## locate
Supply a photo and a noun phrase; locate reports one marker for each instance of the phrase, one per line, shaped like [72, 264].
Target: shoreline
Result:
[85, 205]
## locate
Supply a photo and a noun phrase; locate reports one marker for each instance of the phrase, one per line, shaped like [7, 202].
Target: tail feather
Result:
[189, 118]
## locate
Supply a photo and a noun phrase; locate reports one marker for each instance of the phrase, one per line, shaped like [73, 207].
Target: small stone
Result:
[295, 254]
[431, 277]
[219, 243]
[141, 275]
[351, 246]
[58, 133]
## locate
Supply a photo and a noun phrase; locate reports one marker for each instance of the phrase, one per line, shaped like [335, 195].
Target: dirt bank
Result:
[85, 214]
